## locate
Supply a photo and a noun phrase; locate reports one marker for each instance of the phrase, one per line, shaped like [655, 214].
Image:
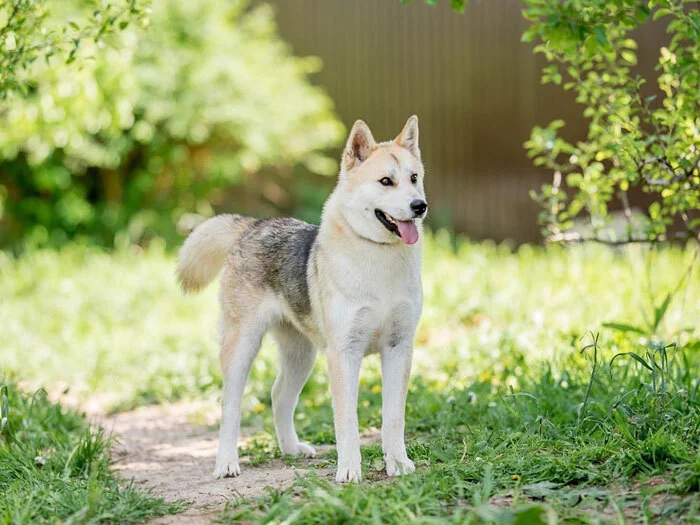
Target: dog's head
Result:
[381, 185]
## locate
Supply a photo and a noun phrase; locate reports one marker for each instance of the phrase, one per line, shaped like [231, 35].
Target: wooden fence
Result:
[473, 84]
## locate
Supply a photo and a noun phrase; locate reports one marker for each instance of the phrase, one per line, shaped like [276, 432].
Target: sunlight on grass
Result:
[563, 376]
[115, 326]
[54, 466]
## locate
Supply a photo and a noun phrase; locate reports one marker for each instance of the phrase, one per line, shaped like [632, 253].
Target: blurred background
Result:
[217, 106]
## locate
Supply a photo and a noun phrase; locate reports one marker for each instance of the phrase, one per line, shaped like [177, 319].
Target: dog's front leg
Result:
[396, 369]
[344, 374]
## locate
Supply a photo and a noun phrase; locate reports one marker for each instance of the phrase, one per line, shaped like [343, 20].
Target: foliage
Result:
[53, 466]
[27, 35]
[133, 136]
[634, 140]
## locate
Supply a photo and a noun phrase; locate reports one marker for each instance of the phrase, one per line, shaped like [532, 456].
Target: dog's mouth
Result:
[405, 230]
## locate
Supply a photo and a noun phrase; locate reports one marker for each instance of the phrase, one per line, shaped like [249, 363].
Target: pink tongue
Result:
[408, 231]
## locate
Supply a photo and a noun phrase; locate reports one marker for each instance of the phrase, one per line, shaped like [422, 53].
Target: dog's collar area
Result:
[389, 224]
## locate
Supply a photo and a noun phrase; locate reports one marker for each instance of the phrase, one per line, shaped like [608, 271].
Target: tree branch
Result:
[570, 237]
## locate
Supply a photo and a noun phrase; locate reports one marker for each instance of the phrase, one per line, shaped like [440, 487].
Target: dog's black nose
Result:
[418, 207]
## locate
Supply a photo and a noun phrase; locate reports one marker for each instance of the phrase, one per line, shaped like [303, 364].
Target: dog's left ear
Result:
[408, 138]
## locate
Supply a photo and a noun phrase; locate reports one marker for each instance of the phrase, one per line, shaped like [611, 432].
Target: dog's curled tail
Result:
[204, 251]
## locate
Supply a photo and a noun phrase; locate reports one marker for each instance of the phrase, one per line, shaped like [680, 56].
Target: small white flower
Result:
[40, 461]
[492, 404]
[472, 398]
[477, 458]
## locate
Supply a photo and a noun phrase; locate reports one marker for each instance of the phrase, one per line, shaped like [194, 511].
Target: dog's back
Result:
[271, 253]
[275, 253]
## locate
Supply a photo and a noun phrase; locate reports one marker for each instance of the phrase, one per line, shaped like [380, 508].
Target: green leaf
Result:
[458, 5]
[633, 356]
[661, 13]
[601, 35]
[629, 56]
[621, 327]
[660, 312]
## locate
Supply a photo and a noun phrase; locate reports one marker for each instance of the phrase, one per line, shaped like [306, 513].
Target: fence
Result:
[473, 84]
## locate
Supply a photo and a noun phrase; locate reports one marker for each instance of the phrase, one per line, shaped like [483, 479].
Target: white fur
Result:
[373, 287]
[202, 255]
[242, 341]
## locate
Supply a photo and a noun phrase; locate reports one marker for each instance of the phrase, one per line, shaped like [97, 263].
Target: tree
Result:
[649, 142]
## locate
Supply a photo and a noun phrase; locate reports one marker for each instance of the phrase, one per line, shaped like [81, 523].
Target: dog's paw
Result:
[399, 467]
[300, 449]
[348, 473]
[227, 469]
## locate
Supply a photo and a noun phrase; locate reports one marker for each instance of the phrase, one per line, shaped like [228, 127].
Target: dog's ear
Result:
[359, 146]
[408, 138]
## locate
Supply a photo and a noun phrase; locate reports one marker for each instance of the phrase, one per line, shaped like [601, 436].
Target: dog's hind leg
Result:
[240, 342]
[297, 357]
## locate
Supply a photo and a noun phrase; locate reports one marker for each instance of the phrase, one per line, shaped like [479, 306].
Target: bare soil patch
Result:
[162, 450]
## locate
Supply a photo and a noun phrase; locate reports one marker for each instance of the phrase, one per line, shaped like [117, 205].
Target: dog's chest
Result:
[374, 303]
[389, 324]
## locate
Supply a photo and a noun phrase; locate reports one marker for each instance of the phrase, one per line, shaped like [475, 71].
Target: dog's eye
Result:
[386, 181]
[414, 178]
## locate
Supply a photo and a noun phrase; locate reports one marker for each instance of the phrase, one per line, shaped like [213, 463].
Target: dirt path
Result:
[162, 450]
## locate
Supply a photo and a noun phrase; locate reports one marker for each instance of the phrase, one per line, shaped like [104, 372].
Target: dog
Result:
[351, 287]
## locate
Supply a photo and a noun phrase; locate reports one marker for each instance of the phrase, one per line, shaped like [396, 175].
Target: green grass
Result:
[623, 448]
[53, 466]
[507, 418]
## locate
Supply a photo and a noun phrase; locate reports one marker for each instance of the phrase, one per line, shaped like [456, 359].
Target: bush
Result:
[641, 137]
[132, 136]
[27, 35]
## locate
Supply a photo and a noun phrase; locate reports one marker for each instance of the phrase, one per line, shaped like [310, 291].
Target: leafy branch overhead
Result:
[29, 33]
[641, 137]
[643, 133]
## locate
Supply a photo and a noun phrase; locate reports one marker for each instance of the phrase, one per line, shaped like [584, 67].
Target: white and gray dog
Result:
[351, 286]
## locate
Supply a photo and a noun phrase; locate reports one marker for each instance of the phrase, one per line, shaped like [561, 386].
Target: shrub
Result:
[640, 137]
[131, 137]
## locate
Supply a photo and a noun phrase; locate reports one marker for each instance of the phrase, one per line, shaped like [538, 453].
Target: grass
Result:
[519, 409]
[612, 447]
[54, 466]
